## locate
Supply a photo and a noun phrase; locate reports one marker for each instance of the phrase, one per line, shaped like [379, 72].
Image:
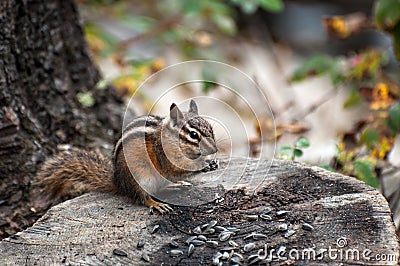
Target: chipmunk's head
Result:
[196, 136]
[193, 134]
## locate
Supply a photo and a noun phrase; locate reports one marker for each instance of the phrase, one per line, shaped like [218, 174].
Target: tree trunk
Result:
[300, 215]
[44, 64]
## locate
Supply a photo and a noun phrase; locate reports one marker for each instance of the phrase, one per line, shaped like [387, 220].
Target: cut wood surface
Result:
[279, 211]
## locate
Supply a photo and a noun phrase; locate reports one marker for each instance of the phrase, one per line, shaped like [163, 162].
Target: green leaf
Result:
[353, 99]
[387, 13]
[286, 148]
[192, 6]
[396, 41]
[86, 98]
[137, 23]
[219, 7]
[249, 6]
[272, 5]
[102, 84]
[225, 23]
[364, 171]
[302, 143]
[393, 119]
[336, 76]
[207, 86]
[369, 137]
[297, 153]
[209, 78]
[316, 65]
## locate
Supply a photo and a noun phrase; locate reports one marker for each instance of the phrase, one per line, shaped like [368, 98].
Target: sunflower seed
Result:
[141, 243]
[267, 210]
[174, 244]
[209, 231]
[283, 227]
[197, 243]
[220, 228]
[217, 255]
[254, 260]
[119, 252]
[225, 255]
[236, 260]
[154, 229]
[190, 250]
[233, 229]
[281, 213]
[252, 217]
[256, 236]
[289, 233]
[238, 255]
[265, 217]
[212, 223]
[249, 236]
[215, 261]
[210, 226]
[212, 243]
[216, 258]
[252, 256]
[202, 237]
[145, 256]
[228, 248]
[233, 243]
[307, 227]
[176, 252]
[225, 235]
[190, 239]
[197, 230]
[231, 254]
[249, 247]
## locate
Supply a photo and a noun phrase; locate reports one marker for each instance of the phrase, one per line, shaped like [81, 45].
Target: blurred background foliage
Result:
[192, 27]
[203, 30]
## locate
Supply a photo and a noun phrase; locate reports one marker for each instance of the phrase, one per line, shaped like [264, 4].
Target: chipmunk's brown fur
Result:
[151, 152]
[71, 173]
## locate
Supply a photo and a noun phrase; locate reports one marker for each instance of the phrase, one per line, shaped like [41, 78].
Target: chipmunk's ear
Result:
[175, 114]
[193, 108]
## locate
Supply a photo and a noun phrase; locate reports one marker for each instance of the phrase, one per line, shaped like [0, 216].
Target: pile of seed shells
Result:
[228, 251]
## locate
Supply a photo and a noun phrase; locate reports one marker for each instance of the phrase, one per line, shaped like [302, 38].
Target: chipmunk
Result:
[150, 151]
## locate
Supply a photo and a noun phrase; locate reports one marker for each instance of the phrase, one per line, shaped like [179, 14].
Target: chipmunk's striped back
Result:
[137, 128]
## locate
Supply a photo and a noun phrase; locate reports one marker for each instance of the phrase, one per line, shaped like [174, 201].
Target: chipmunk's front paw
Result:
[160, 207]
[210, 165]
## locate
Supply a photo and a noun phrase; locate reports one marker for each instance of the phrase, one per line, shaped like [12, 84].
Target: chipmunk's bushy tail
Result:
[71, 173]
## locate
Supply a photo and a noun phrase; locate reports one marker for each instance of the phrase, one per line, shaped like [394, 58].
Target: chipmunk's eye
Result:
[194, 135]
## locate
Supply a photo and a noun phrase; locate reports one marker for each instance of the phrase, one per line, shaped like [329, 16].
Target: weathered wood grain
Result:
[346, 217]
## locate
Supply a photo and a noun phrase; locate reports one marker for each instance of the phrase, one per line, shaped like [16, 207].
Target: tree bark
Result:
[301, 215]
[44, 63]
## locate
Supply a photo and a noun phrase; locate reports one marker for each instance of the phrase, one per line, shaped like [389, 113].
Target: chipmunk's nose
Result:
[208, 146]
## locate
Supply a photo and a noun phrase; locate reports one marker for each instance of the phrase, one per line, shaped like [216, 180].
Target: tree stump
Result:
[298, 215]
